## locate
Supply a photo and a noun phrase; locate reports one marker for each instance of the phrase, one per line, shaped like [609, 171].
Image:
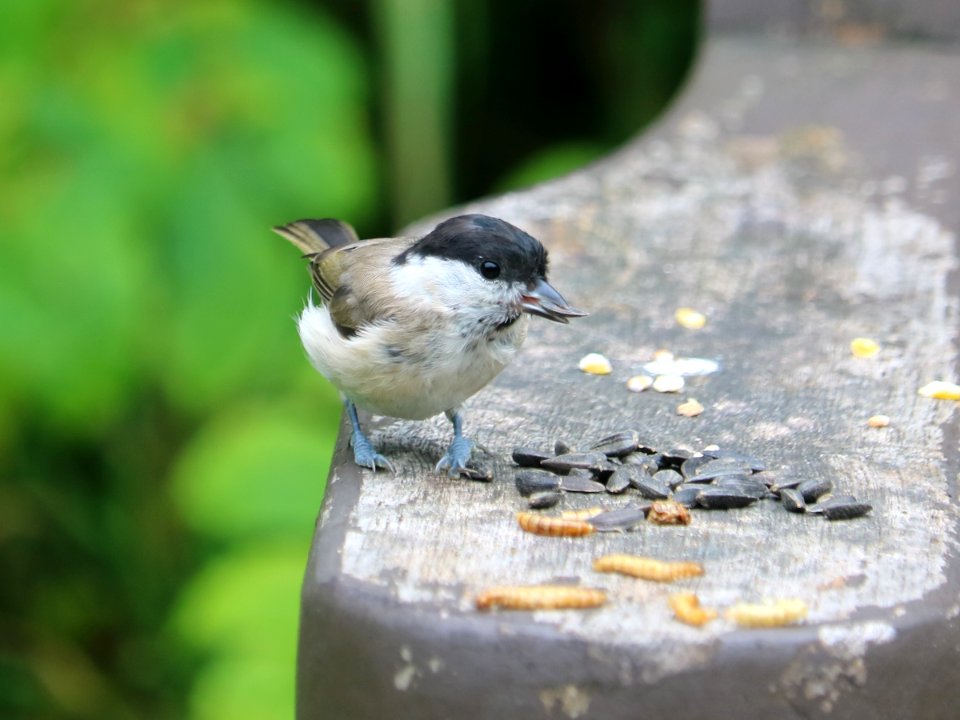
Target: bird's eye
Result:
[490, 270]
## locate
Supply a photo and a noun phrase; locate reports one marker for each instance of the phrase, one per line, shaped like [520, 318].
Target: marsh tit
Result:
[412, 327]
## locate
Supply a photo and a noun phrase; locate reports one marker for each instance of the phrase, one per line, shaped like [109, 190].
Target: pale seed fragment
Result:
[940, 390]
[595, 364]
[690, 318]
[690, 408]
[639, 383]
[878, 421]
[668, 383]
[864, 347]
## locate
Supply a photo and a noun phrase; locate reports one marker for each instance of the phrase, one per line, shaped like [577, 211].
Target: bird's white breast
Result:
[412, 366]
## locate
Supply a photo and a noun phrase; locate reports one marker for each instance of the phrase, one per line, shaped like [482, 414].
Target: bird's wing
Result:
[351, 280]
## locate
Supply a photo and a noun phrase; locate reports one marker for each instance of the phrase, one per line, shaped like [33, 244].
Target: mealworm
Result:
[774, 614]
[540, 597]
[553, 526]
[647, 568]
[687, 609]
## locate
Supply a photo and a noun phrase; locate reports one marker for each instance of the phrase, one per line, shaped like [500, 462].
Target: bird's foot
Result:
[365, 456]
[456, 457]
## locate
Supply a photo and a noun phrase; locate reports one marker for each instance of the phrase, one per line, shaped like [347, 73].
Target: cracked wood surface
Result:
[800, 195]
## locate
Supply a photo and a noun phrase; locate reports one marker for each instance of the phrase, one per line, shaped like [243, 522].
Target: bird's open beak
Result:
[541, 299]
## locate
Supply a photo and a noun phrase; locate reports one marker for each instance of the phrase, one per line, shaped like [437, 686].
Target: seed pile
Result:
[665, 483]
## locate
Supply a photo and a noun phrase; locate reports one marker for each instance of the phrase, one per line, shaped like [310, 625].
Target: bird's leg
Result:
[458, 453]
[363, 453]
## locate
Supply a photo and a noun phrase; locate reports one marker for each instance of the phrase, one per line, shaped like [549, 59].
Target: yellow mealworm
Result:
[540, 597]
[553, 526]
[668, 512]
[647, 568]
[686, 607]
[781, 612]
[584, 514]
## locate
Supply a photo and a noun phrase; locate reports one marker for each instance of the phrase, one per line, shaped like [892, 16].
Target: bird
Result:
[410, 327]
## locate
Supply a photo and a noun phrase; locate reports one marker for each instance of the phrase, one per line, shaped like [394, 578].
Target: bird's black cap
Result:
[473, 239]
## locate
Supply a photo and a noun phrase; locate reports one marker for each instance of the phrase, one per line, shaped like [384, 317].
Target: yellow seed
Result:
[540, 597]
[940, 390]
[864, 347]
[772, 614]
[584, 514]
[595, 364]
[668, 383]
[690, 408]
[647, 568]
[663, 355]
[686, 607]
[878, 421]
[639, 383]
[690, 318]
[553, 526]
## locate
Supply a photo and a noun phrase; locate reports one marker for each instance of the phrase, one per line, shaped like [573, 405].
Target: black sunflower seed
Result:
[723, 498]
[618, 444]
[531, 481]
[619, 520]
[543, 499]
[529, 457]
[813, 489]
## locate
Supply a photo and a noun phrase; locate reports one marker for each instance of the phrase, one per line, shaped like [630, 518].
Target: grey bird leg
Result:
[363, 453]
[459, 451]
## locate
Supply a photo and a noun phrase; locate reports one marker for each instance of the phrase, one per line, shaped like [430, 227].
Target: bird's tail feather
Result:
[314, 236]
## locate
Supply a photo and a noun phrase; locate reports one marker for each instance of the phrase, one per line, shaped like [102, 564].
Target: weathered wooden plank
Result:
[800, 195]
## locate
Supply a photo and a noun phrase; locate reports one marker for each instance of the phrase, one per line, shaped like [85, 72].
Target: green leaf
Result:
[258, 471]
[242, 610]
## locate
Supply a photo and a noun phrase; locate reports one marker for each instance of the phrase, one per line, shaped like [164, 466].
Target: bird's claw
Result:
[365, 456]
[456, 457]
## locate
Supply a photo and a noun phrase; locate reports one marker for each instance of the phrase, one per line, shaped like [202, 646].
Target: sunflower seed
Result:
[744, 484]
[847, 511]
[618, 444]
[675, 457]
[689, 466]
[528, 457]
[789, 484]
[813, 489]
[832, 501]
[579, 484]
[755, 463]
[531, 481]
[584, 461]
[792, 500]
[652, 487]
[477, 474]
[646, 463]
[619, 520]
[671, 478]
[716, 468]
[621, 479]
[686, 495]
[543, 499]
[561, 448]
[723, 498]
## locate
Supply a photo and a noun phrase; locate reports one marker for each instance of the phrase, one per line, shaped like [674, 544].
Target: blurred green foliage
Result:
[163, 443]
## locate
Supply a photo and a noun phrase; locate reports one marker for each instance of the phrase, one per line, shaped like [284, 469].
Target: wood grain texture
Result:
[775, 200]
